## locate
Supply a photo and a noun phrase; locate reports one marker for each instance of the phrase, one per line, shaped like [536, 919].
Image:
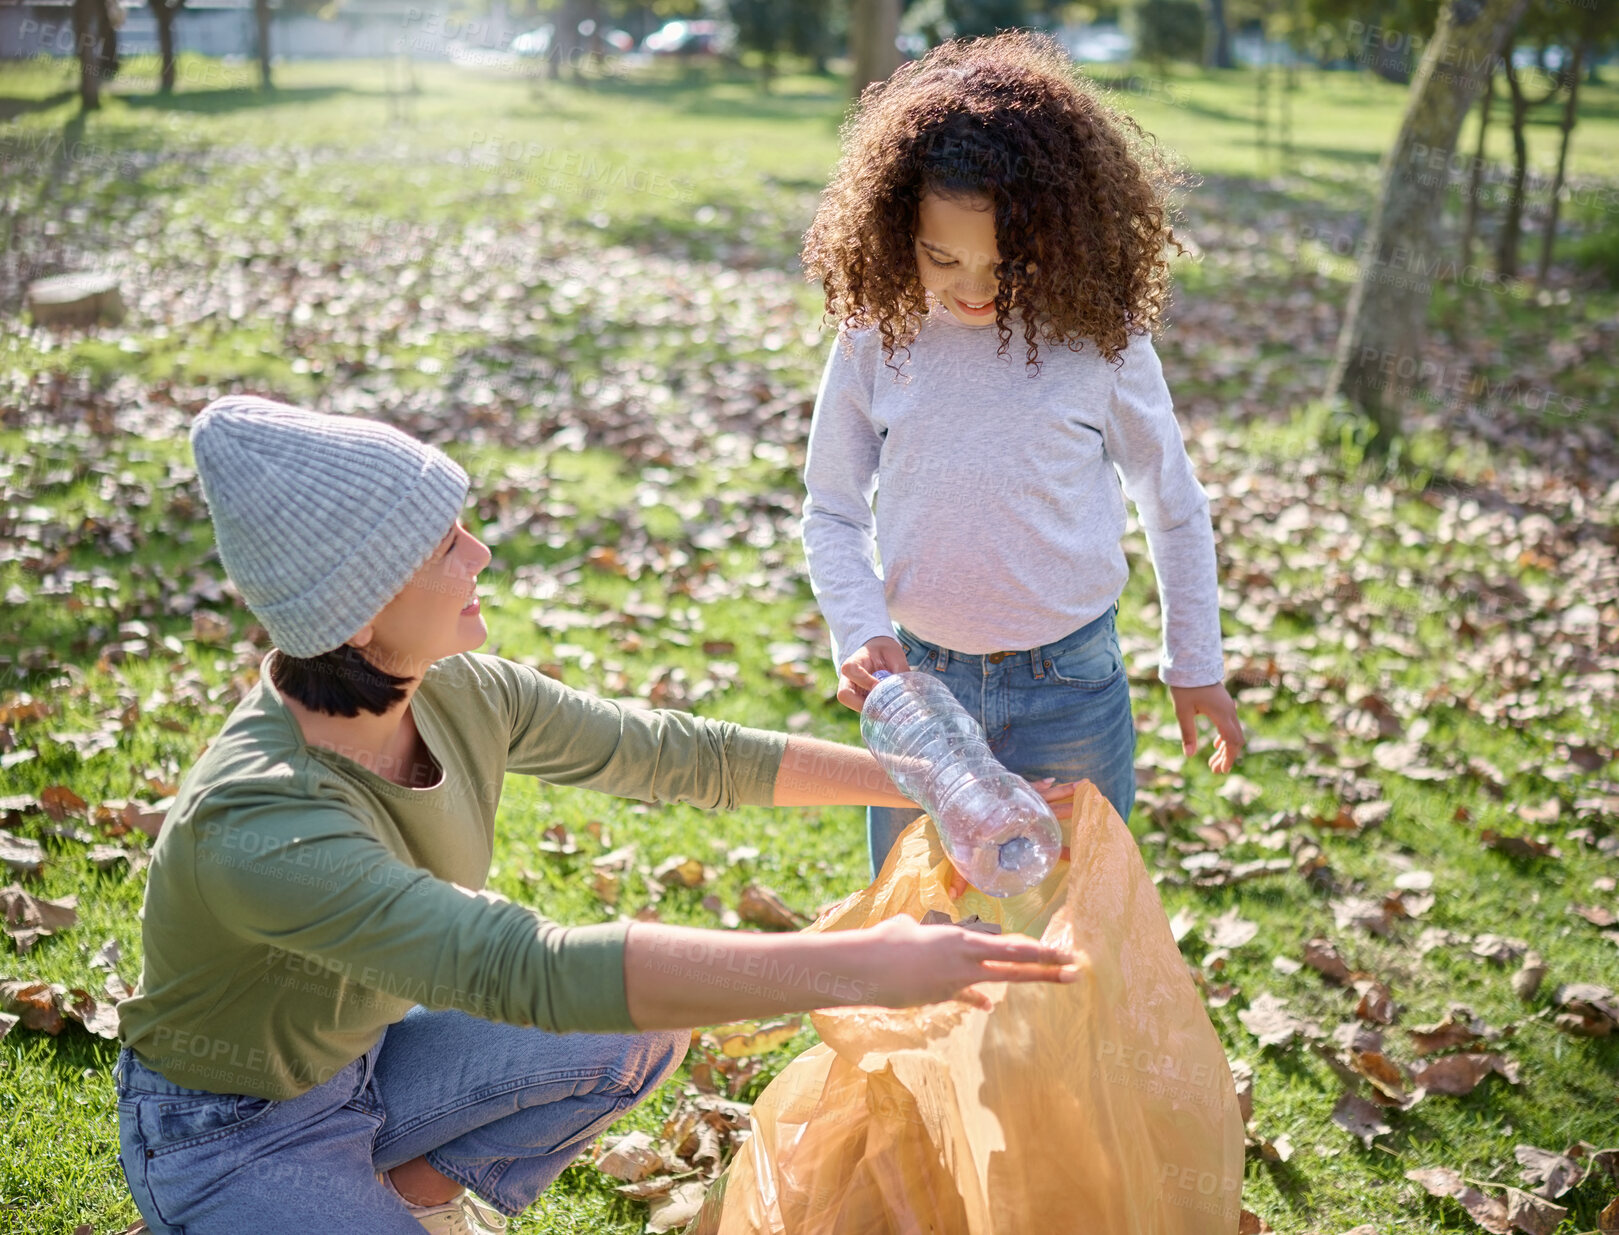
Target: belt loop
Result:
[1036, 664]
[941, 659]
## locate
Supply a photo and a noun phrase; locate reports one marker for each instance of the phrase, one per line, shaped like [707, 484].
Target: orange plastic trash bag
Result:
[1103, 1107]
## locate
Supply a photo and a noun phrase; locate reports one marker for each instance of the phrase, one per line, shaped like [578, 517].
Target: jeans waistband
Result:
[939, 658]
[130, 1073]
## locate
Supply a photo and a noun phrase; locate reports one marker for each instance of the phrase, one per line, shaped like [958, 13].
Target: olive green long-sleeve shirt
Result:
[298, 903]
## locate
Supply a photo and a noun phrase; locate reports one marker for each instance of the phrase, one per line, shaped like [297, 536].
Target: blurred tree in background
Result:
[773, 27]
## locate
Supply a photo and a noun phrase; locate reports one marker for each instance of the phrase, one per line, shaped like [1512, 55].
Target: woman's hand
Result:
[907, 964]
[1213, 702]
[855, 678]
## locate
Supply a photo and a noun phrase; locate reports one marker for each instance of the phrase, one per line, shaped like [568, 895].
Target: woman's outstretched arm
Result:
[679, 977]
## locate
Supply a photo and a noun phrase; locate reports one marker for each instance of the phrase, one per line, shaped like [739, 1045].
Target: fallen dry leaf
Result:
[738, 1041]
[1590, 1010]
[1376, 1002]
[1552, 1173]
[1358, 1117]
[1458, 1028]
[29, 919]
[760, 906]
[1497, 949]
[1596, 915]
[58, 801]
[1489, 1212]
[1526, 982]
[99, 1018]
[1385, 1077]
[1268, 1019]
[1230, 930]
[1534, 1215]
[676, 1208]
[36, 1004]
[1322, 956]
[1518, 846]
[631, 1157]
[681, 871]
[21, 854]
[1460, 1074]
[1242, 1076]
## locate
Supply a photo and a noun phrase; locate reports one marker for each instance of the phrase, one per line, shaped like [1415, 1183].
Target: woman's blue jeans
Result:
[1062, 710]
[498, 1108]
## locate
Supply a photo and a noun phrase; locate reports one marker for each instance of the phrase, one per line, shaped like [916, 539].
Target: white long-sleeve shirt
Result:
[999, 510]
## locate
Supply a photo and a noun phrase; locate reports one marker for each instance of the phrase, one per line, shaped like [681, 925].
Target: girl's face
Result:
[956, 255]
[436, 615]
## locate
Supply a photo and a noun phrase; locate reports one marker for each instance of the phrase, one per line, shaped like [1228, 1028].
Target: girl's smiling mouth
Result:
[979, 309]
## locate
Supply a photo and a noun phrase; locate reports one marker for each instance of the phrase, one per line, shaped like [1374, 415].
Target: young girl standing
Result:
[983, 190]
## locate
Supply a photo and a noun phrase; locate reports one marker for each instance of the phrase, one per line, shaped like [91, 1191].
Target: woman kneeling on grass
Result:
[335, 1029]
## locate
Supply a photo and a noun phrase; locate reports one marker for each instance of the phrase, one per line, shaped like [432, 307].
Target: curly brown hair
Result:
[1080, 193]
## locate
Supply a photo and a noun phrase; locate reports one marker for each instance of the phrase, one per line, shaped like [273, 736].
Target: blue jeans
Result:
[1062, 710]
[498, 1108]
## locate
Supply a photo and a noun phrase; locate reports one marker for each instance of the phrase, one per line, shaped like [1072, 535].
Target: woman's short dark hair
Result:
[341, 682]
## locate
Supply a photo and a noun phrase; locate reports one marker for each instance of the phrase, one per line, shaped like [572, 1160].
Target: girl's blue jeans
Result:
[498, 1108]
[1062, 710]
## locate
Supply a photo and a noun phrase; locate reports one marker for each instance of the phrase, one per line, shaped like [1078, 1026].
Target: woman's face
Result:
[436, 615]
[956, 255]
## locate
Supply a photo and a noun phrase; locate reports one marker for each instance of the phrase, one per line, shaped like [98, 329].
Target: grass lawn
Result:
[587, 295]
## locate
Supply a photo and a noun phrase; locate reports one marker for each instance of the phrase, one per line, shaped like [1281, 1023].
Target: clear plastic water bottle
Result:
[996, 830]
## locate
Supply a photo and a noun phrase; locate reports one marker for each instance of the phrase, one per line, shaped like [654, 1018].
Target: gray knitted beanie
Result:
[320, 520]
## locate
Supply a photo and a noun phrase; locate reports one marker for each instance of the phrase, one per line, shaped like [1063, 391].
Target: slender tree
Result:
[1548, 237]
[1218, 49]
[1476, 172]
[89, 18]
[873, 29]
[1388, 305]
[261, 19]
[1506, 248]
[164, 12]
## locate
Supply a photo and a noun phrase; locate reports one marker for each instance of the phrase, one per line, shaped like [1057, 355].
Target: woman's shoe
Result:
[465, 1215]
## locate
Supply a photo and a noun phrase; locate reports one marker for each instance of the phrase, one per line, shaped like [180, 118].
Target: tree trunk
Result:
[261, 15]
[1476, 172]
[1549, 236]
[1218, 55]
[1388, 305]
[109, 40]
[86, 35]
[873, 27]
[165, 13]
[1506, 246]
[564, 38]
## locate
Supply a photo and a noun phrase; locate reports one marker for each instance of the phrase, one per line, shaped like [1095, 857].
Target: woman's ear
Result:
[362, 637]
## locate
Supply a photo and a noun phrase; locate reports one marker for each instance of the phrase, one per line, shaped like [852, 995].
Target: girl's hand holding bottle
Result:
[1215, 703]
[856, 677]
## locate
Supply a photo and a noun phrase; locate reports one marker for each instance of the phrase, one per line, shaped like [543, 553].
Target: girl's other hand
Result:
[910, 964]
[855, 678]
[1216, 704]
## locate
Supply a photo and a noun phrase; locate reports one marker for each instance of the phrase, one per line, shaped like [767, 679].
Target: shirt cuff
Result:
[1194, 675]
[598, 1003]
[754, 757]
[862, 635]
